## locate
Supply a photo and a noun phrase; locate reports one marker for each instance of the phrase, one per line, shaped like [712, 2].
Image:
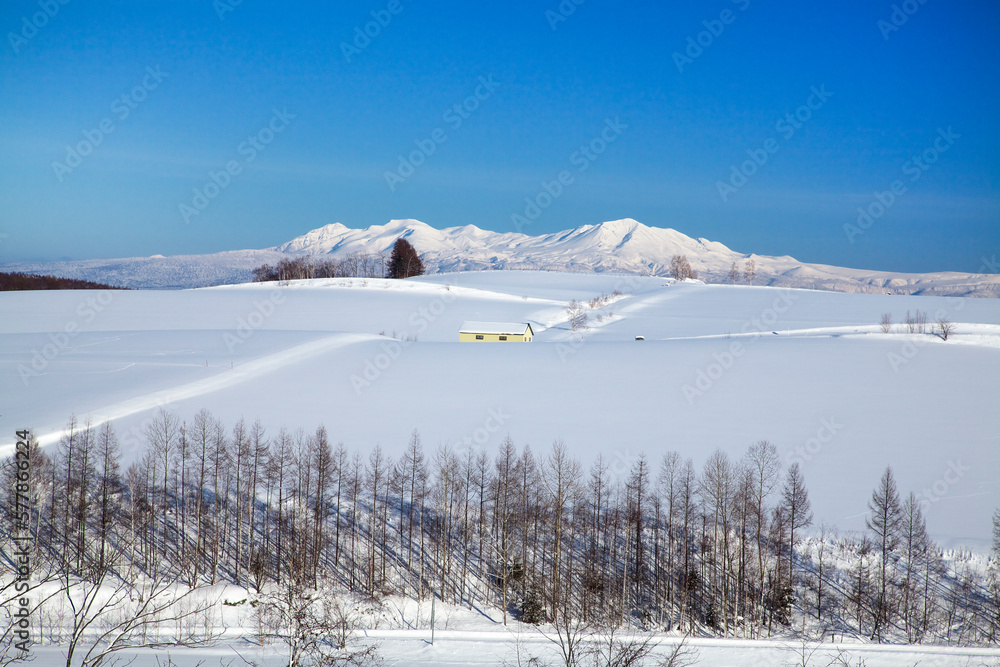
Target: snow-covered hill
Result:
[619, 246]
[721, 367]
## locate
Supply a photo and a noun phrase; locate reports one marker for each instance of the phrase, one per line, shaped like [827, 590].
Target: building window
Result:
[503, 338]
[479, 336]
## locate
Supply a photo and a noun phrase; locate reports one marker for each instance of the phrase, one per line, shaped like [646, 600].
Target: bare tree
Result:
[798, 510]
[716, 489]
[681, 655]
[560, 476]
[885, 521]
[670, 490]
[570, 635]
[614, 647]
[765, 468]
[915, 542]
[993, 579]
[161, 435]
[504, 521]
[113, 609]
[681, 269]
[109, 485]
[688, 511]
[317, 628]
[945, 328]
[822, 566]
[682, 550]
[637, 489]
[749, 270]
[522, 657]
[802, 653]
[734, 274]
[917, 322]
[886, 323]
[576, 315]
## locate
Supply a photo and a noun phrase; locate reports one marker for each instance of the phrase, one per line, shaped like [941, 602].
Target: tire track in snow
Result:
[248, 370]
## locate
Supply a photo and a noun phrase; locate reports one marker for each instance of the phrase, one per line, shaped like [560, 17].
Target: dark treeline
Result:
[649, 542]
[17, 281]
[306, 267]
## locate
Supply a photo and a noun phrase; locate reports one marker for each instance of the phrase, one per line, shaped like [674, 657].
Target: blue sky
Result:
[300, 131]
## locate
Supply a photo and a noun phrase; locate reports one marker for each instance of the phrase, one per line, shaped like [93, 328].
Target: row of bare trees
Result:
[652, 543]
[680, 268]
[917, 323]
[356, 265]
[748, 274]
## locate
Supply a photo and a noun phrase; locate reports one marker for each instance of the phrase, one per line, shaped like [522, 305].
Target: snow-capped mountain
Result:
[618, 246]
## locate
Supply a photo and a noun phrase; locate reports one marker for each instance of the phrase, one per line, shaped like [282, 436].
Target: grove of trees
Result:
[651, 542]
[18, 281]
[403, 262]
[680, 268]
[306, 267]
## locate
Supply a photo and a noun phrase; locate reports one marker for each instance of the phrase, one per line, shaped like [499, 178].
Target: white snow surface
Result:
[466, 637]
[616, 246]
[372, 360]
[461, 648]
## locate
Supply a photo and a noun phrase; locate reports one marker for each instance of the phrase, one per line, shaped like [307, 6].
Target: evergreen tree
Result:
[405, 261]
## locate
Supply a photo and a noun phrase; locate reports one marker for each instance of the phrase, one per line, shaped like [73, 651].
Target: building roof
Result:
[503, 328]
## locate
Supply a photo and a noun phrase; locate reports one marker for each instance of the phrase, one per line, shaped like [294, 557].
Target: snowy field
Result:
[476, 638]
[372, 360]
[480, 649]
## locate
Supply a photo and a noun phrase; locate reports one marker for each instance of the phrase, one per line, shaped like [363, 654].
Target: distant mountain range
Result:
[619, 246]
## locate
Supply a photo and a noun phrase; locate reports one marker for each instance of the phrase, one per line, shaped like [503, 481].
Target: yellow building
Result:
[495, 332]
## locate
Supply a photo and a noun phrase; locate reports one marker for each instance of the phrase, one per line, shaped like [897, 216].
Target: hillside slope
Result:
[375, 359]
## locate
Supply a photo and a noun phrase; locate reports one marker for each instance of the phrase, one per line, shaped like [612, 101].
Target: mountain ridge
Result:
[616, 246]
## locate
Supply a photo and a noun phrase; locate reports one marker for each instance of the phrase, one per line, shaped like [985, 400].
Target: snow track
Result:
[238, 374]
[373, 360]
